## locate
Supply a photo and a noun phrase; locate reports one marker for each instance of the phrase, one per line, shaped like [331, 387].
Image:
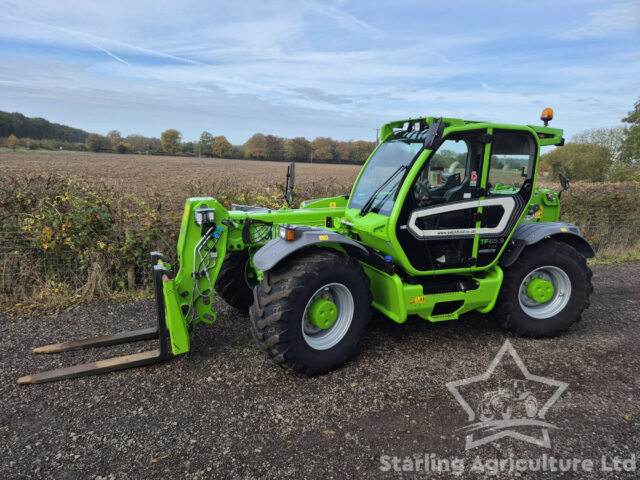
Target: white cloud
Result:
[72, 95]
[621, 16]
[339, 16]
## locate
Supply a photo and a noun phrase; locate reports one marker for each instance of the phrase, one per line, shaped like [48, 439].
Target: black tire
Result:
[279, 304]
[510, 312]
[234, 284]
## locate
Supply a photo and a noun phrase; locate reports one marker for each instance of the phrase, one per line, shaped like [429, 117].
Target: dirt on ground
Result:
[226, 411]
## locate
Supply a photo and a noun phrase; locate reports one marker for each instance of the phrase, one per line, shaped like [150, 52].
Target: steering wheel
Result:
[421, 190]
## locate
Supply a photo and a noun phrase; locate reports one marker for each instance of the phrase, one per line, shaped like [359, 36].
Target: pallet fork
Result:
[160, 276]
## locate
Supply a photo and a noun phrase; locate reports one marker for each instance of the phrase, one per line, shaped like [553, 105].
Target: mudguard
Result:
[530, 233]
[278, 249]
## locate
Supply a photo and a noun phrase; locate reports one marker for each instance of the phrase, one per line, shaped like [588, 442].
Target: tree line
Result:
[258, 147]
[16, 130]
[38, 129]
[600, 154]
[299, 149]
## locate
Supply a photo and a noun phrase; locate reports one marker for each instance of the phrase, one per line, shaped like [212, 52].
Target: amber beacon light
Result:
[547, 116]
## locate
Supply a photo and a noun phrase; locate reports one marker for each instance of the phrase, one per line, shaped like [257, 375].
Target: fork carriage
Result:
[159, 332]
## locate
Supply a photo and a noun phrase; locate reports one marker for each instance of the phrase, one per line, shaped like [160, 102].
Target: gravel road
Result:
[225, 411]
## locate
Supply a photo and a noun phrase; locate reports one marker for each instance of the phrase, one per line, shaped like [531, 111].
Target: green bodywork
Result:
[189, 296]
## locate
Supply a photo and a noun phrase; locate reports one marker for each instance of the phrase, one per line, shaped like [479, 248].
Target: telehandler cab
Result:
[443, 219]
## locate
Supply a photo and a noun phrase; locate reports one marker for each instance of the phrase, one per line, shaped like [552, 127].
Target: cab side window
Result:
[450, 174]
[448, 165]
[512, 158]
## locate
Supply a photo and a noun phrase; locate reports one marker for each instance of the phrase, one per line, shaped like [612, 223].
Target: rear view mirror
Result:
[433, 136]
[291, 179]
[564, 181]
[291, 173]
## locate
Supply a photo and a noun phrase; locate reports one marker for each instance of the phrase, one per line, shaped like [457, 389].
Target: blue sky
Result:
[311, 68]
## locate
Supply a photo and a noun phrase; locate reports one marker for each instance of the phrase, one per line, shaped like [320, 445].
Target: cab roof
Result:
[545, 135]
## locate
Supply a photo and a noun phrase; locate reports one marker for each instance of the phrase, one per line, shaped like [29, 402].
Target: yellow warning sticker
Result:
[563, 229]
[332, 205]
[323, 237]
[419, 299]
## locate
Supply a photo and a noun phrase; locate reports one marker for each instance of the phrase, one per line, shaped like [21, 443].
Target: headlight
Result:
[285, 232]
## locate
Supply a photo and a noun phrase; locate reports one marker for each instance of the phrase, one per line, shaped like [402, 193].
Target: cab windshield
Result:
[388, 165]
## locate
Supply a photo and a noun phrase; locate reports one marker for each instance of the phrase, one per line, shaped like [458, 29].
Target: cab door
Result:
[508, 183]
[437, 224]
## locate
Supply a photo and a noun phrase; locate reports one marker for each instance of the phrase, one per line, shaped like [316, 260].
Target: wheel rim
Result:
[561, 292]
[323, 339]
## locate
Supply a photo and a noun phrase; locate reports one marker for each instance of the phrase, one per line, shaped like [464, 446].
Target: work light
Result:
[205, 216]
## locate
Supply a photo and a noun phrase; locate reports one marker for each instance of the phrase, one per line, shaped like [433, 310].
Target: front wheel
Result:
[545, 291]
[311, 310]
[236, 281]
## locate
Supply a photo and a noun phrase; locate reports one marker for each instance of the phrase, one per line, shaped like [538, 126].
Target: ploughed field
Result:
[173, 178]
[170, 180]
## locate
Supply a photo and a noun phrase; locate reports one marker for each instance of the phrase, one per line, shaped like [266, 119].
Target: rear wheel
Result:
[236, 281]
[311, 310]
[545, 291]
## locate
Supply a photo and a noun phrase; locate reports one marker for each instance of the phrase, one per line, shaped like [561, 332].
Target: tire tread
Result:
[231, 285]
[509, 312]
[273, 297]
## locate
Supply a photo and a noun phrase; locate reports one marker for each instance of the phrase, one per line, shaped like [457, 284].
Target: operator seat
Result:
[456, 193]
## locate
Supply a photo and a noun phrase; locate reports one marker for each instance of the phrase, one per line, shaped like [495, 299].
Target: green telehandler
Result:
[443, 219]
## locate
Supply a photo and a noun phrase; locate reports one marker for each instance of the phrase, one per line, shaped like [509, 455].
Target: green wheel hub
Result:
[323, 313]
[540, 290]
